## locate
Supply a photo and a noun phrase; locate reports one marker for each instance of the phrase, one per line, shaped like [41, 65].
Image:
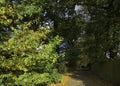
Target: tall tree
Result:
[27, 50]
[102, 32]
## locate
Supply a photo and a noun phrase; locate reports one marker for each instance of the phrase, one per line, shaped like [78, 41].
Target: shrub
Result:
[29, 58]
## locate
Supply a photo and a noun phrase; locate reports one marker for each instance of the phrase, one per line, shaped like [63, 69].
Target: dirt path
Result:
[86, 78]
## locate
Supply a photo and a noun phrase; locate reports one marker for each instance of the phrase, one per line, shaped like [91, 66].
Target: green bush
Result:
[29, 58]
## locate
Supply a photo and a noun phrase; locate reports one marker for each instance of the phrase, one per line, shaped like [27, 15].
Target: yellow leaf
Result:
[3, 17]
[9, 20]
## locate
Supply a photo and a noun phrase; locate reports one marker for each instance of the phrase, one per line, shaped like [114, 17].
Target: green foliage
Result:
[27, 50]
[27, 59]
[101, 34]
[2, 2]
[87, 38]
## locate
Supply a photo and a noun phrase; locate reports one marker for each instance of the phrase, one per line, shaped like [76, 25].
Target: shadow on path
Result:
[86, 78]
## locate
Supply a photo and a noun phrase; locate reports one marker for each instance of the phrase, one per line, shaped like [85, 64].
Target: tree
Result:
[27, 50]
[102, 30]
[96, 34]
